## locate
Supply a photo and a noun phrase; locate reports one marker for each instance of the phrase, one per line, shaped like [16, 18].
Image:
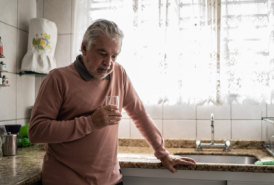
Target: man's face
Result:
[99, 60]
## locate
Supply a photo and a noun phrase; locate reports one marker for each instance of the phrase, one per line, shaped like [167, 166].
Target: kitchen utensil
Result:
[9, 144]
[14, 129]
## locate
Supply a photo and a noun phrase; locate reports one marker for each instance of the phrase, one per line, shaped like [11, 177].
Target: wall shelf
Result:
[2, 56]
[2, 71]
[269, 119]
[4, 85]
[31, 74]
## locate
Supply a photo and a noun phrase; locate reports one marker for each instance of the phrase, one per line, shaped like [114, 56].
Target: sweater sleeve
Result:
[136, 111]
[44, 126]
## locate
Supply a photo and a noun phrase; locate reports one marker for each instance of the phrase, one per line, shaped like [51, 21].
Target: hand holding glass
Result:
[112, 100]
[103, 116]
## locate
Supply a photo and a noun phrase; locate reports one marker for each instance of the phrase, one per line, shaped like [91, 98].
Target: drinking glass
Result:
[112, 100]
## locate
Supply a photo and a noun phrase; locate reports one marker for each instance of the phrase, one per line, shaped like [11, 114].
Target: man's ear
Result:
[83, 49]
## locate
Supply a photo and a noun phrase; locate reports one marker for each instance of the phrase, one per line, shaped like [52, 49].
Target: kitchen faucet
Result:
[200, 145]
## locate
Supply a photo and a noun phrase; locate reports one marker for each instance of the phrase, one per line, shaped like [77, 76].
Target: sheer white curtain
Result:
[190, 51]
[247, 46]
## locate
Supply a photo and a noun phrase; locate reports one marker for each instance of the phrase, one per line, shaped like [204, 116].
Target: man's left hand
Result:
[170, 161]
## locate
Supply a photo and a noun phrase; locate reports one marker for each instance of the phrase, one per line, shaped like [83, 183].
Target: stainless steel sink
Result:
[227, 159]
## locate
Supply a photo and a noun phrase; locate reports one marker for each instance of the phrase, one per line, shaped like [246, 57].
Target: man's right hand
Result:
[104, 116]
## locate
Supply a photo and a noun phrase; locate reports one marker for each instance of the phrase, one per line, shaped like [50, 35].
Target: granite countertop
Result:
[25, 168]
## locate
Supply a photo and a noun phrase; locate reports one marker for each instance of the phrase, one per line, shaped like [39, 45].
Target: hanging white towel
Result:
[41, 47]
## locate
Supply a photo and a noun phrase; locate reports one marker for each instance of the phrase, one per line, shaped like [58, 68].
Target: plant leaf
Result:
[40, 47]
[34, 42]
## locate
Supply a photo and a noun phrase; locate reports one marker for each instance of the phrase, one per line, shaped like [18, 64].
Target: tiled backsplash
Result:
[232, 121]
[17, 98]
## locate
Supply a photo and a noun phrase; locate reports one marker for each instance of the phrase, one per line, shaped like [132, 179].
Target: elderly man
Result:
[71, 117]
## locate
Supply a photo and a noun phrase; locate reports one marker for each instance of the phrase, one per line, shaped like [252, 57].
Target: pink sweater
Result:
[76, 152]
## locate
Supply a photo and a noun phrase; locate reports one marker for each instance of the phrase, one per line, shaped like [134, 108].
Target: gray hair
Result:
[104, 26]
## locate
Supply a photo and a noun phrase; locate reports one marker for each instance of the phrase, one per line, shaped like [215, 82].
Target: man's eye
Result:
[103, 54]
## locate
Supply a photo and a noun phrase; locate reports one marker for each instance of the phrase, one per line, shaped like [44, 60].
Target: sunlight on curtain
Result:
[247, 60]
[190, 51]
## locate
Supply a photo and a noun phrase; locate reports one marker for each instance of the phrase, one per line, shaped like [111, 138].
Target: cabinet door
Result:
[247, 183]
[168, 181]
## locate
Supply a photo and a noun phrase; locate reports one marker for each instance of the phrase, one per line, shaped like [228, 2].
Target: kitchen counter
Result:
[25, 167]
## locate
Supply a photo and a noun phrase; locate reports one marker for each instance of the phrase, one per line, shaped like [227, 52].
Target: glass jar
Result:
[3, 66]
[1, 48]
[5, 80]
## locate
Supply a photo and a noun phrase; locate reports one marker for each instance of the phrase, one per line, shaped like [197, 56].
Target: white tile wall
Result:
[25, 16]
[222, 129]
[21, 48]
[179, 129]
[155, 111]
[73, 8]
[14, 21]
[134, 132]
[9, 40]
[179, 111]
[25, 95]
[266, 130]
[220, 112]
[39, 8]
[246, 129]
[270, 110]
[72, 56]
[22, 122]
[8, 99]
[227, 120]
[15, 122]
[60, 13]
[203, 129]
[8, 11]
[246, 111]
[62, 51]
[10, 122]
[225, 127]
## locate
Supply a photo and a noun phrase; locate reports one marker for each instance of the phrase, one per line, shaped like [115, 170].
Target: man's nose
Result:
[108, 61]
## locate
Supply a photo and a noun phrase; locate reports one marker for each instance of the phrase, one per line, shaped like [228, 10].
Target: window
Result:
[191, 51]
